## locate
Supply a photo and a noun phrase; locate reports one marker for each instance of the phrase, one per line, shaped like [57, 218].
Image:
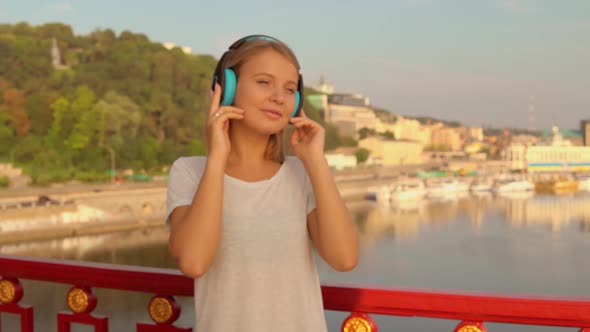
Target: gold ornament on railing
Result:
[7, 291]
[163, 309]
[81, 300]
[471, 327]
[11, 291]
[359, 323]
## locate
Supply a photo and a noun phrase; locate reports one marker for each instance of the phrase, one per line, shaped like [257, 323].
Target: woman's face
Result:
[267, 83]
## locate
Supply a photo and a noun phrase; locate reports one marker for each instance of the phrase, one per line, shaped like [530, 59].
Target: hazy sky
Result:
[476, 61]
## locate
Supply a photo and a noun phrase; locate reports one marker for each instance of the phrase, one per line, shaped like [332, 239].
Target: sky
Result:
[480, 62]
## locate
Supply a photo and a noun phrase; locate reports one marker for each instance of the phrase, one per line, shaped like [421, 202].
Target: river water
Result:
[517, 245]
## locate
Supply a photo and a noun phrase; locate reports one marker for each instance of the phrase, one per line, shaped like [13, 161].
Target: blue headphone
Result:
[227, 78]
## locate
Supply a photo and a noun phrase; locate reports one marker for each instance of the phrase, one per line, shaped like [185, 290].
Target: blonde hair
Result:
[275, 148]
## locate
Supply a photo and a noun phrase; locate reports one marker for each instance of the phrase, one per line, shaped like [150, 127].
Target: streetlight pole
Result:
[112, 171]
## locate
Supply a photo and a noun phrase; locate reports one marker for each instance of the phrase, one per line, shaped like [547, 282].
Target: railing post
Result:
[11, 292]
[81, 301]
[164, 311]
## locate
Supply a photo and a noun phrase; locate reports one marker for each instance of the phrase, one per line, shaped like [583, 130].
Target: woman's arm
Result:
[330, 224]
[195, 229]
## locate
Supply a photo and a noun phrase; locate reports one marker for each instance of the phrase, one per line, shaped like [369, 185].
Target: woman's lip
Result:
[273, 112]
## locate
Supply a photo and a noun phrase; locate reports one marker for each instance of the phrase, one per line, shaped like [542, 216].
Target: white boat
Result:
[516, 195]
[513, 185]
[446, 187]
[481, 186]
[584, 182]
[380, 194]
[408, 191]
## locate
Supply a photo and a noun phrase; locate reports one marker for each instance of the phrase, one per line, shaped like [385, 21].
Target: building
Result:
[342, 158]
[524, 139]
[184, 49]
[475, 133]
[56, 58]
[446, 137]
[585, 124]
[557, 155]
[349, 113]
[319, 102]
[323, 86]
[393, 152]
[405, 129]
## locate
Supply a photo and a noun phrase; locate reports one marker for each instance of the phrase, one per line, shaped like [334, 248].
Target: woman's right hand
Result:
[218, 126]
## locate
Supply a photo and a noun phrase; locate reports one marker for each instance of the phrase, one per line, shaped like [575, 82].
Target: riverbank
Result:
[51, 231]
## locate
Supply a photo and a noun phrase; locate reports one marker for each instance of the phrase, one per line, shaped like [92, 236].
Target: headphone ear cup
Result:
[297, 102]
[298, 98]
[229, 87]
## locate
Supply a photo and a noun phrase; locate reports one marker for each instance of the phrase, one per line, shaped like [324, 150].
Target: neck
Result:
[247, 147]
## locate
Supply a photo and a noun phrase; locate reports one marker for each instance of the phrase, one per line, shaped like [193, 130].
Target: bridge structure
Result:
[473, 310]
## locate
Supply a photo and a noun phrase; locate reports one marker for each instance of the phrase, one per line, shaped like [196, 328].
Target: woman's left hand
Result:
[308, 138]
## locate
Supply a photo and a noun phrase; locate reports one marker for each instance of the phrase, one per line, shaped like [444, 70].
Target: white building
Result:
[558, 155]
[185, 49]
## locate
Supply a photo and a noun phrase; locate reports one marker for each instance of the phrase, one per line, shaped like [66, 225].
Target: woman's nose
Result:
[278, 95]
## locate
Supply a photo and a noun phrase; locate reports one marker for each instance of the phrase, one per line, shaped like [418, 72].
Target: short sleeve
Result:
[182, 185]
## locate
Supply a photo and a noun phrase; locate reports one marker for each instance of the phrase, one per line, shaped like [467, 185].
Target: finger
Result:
[223, 117]
[216, 99]
[226, 109]
[299, 119]
[305, 123]
[231, 108]
[295, 137]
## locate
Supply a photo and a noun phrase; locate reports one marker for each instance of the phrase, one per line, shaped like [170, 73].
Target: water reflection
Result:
[146, 247]
[402, 221]
[405, 219]
[509, 244]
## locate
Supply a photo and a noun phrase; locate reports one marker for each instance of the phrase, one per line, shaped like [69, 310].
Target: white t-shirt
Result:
[263, 276]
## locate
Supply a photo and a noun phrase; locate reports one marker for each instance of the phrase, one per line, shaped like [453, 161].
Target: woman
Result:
[244, 219]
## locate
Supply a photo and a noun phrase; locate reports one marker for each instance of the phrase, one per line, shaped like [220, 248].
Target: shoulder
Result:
[190, 162]
[295, 167]
[294, 163]
[189, 165]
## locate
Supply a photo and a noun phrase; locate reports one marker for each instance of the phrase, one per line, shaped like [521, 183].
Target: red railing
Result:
[471, 309]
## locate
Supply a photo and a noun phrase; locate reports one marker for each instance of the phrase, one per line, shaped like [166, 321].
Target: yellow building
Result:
[476, 133]
[473, 147]
[448, 137]
[393, 152]
[405, 129]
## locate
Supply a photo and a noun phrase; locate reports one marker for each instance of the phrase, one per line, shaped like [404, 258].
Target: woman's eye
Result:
[262, 82]
[292, 91]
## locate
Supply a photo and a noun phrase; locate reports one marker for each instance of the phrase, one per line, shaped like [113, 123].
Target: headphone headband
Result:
[243, 40]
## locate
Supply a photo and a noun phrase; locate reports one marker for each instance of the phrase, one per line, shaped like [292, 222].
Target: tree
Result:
[6, 132]
[14, 102]
[362, 155]
[59, 127]
[86, 128]
[365, 132]
[388, 135]
[120, 119]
